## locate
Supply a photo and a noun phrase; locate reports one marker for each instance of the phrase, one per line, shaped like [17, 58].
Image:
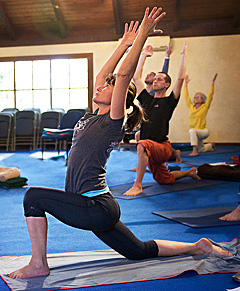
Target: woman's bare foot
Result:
[133, 169]
[29, 271]
[193, 174]
[232, 216]
[134, 191]
[205, 247]
[178, 156]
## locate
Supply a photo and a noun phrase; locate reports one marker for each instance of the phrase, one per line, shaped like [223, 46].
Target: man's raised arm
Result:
[181, 73]
[147, 52]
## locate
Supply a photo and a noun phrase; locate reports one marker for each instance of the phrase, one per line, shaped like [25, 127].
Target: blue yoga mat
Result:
[153, 188]
[198, 218]
[218, 150]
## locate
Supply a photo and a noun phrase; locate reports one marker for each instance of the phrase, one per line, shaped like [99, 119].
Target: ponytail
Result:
[135, 117]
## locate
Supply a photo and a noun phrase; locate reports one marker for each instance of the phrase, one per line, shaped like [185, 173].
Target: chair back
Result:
[49, 119]
[5, 125]
[83, 111]
[69, 119]
[37, 112]
[57, 109]
[25, 123]
[6, 129]
[10, 110]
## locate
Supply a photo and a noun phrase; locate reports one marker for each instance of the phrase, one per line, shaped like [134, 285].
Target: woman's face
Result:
[103, 94]
[198, 99]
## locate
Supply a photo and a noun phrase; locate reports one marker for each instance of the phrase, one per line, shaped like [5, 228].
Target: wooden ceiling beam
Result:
[201, 28]
[6, 22]
[59, 17]
[117, 17]
[176, 15]
[236, 20]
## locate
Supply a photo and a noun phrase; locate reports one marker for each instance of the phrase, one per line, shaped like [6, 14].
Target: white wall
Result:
[206, 56]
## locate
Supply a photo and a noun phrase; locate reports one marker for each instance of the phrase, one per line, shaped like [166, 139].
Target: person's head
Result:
[149, 78]
[199, 98]
[162, 81]
[104, 96]
[104, 93]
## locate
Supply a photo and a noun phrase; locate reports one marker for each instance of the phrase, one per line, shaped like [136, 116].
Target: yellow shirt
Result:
[197, 117]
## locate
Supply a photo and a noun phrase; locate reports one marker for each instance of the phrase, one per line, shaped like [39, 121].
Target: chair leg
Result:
[42, 147]
[58, 146]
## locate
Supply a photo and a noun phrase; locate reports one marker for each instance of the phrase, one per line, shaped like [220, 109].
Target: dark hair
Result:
[167, 78]
[135, 117]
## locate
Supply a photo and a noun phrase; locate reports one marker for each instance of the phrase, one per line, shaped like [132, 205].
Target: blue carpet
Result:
[136, 214]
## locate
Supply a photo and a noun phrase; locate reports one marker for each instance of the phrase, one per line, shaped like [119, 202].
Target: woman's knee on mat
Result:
[142, 251]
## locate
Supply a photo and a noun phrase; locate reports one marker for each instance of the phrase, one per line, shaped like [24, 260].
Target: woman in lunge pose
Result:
[87, 202]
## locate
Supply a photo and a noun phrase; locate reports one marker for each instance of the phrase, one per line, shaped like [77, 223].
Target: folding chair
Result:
[64, 132]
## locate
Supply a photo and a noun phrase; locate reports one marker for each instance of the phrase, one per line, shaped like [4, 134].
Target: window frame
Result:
[88, 56]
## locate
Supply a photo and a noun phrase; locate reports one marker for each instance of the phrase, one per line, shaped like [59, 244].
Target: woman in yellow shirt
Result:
[197, 118]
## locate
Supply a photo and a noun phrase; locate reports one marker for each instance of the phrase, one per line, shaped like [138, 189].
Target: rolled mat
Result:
[8, 173]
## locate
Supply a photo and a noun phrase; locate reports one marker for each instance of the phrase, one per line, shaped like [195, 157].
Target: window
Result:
[46, 82]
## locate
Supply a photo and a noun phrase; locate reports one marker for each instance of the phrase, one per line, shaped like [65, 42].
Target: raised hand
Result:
[148, 51]
[215, 77]
[186, 79]
[169, 49]
[130, 33]
[150, 20]
[184, 50]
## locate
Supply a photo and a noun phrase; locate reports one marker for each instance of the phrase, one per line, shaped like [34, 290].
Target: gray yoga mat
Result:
[198, 218]
[93, 268]
[153, 188]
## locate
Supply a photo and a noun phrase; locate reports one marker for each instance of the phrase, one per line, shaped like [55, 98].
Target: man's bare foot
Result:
[193, 174]
[29, 271]
[134, 191]
[178, 156]
[193, 154]
[232, 216]
[133, 169]
[205, 247]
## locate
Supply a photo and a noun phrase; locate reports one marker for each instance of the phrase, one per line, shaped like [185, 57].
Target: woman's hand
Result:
[130, 33]
[186, 79]
[150, 21]
[215, 77]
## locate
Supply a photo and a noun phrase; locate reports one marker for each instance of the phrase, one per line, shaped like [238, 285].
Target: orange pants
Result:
[158, 154]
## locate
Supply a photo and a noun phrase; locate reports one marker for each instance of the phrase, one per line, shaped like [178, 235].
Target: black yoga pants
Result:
[99, 214]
